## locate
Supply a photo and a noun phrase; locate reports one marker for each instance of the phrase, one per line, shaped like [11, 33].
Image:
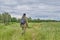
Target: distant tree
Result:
[13, 19]
[38, 20]
[6, 17]
[29, 19]
[9, 17]
[18, 20]
[0, 18]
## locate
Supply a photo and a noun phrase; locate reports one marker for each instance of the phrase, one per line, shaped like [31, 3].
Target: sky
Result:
[43, 9]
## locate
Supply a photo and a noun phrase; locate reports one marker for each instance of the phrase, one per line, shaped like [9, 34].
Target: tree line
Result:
[6, 19]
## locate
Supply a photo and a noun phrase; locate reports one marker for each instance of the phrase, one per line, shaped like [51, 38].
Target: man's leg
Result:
[23, 29]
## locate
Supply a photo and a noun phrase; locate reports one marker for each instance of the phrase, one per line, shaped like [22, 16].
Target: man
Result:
[24, 23]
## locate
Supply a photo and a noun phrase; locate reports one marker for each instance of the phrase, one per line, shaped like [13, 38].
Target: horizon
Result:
[42, 9]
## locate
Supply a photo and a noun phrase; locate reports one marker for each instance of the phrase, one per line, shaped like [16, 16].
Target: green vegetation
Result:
[6, 19]
[36, 31]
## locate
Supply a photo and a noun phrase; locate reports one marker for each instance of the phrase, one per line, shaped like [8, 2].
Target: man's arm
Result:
[26, 22]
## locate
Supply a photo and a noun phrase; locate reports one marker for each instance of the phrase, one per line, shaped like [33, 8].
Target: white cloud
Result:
[41, 9]
[9, 2]
[17, 16]
[22, 7]
[51, 8]
[42, 6]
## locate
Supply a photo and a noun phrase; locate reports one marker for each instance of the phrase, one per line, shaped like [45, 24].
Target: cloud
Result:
[8, 2]
[43, 9]
[22, 7]
[51, 8]
[17, 16]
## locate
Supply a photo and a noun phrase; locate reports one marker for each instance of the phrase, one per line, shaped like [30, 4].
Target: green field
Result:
[36, 31]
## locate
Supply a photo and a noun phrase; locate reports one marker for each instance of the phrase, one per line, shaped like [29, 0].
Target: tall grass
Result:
[36, 31]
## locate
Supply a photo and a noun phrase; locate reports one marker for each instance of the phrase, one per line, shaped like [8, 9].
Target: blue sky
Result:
[43, 9]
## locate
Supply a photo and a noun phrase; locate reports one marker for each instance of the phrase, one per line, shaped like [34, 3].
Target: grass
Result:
[36, 31]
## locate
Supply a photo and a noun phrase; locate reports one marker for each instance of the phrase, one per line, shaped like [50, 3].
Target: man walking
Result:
[24, 23]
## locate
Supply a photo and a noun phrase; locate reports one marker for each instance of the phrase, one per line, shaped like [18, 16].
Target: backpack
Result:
[23, 21]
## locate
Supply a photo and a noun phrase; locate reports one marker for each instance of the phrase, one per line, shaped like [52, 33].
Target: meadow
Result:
[36, 31]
